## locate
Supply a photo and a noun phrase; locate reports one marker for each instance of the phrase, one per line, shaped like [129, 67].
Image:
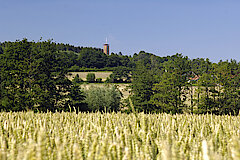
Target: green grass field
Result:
[28, 135]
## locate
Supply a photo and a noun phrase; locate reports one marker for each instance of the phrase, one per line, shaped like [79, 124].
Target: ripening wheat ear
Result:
[28, 135]
[205, 150]
[134, 112]
[131, 105]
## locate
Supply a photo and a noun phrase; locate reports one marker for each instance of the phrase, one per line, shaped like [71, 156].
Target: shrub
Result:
[99, 80]
[91, 77]
[77, 79]
[109, 80]
[103, 98]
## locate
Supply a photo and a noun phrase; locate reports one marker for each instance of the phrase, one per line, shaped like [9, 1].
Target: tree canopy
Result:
[33, 77]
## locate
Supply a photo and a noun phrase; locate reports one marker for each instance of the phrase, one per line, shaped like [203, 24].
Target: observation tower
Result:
[106, 48]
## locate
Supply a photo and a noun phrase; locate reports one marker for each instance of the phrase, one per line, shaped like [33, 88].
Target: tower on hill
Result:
[106, 48]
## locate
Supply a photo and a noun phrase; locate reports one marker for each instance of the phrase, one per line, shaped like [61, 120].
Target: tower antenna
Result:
[106, 40]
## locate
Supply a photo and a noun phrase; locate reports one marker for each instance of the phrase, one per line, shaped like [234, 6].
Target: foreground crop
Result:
[118, 136]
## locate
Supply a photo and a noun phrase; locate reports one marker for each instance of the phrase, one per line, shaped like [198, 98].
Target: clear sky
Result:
[195, 28]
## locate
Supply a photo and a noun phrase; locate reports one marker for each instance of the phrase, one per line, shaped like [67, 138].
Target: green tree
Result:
[121, 74]
[206, 88]
[76, 99]
[113, 60]
[1, 50]
[16, 76]
[166, 94]
[218, 89]
[170, 93]
[91, 77]
[32, 77]
[142, 84]
[77, 79]
[227, 74]
[91, 58]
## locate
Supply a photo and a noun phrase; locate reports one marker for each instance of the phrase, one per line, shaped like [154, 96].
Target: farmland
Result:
[83, 75]
[124, 88]
[28, 135]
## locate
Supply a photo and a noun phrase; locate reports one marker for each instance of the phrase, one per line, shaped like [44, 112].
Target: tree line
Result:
[33, 77]
[182, 85]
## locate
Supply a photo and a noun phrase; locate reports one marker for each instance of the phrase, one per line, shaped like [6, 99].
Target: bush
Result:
[91, 77]
[99, 80]
[77, 79]
[109, 80]
[103, 98]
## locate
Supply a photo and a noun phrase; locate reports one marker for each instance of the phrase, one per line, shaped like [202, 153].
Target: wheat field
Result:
[66, 135]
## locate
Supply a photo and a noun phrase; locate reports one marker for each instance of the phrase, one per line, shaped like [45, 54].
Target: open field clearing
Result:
[83, 75]
[28, 135]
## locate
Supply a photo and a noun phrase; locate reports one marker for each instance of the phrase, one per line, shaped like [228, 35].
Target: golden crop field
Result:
[28, 135]
[83, 75]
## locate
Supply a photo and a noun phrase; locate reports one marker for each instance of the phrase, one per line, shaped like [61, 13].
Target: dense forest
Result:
[34, 77]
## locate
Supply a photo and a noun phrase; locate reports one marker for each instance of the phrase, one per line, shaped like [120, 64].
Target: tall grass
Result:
[29, 135]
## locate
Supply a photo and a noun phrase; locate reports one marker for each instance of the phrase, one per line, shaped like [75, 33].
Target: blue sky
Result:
[195, 28]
